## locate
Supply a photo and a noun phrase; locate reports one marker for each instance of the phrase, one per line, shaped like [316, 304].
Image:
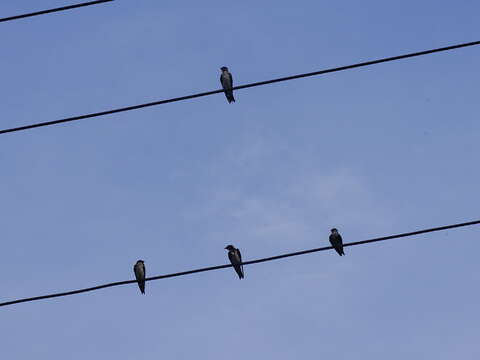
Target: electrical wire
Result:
[187, 97]
[63, 8]
[257, 261]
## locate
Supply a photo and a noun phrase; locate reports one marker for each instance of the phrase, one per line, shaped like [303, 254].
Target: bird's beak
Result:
[226, 248]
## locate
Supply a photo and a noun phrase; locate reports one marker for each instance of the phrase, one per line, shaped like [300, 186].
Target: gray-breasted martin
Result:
[236, 259]
[139, 270]
[226, 80]
[336, 241]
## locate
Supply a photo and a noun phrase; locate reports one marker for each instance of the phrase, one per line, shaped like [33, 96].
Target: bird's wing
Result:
[240, 257]
[230, 77]
[340, 239]
[144, 272]
[135, 270]
[333, 239]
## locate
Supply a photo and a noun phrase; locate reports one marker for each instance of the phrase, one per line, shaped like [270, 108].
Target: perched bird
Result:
[227, 83]
[336, 241]
[236, 259]
[139, 270]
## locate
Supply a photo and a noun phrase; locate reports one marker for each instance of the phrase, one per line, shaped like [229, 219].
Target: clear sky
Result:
[372, 151]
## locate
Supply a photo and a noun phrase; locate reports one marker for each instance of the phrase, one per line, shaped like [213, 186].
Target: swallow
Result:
[336, 241]
[139, 270]
[226, 80]
[236, 259]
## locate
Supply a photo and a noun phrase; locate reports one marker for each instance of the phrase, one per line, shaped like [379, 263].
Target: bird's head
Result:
[140, 262]
[334, 230]
[224, 68]
[229, 247]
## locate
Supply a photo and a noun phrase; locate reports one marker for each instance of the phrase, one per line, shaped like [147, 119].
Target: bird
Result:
[236, 259]
[226, 80]
[139, 270]
[336, 241]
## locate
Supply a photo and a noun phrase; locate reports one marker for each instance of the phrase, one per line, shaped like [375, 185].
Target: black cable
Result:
[135, 107]
[118, 283]
[63, 8]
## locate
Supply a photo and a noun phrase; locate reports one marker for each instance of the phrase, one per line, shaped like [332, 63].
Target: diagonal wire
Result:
[260, 83]
[63, 8]
[211, 268]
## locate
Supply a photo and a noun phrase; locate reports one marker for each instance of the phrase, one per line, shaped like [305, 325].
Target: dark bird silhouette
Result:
[236, 259]
[336, 241]
[226, 80]
[139, 270]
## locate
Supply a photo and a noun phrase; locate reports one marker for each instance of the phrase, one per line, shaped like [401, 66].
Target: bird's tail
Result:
[239, 272]
[229, 95]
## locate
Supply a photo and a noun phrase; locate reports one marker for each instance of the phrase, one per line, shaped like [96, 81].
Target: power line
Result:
[63, 8]
[187, 97]
[211, 268]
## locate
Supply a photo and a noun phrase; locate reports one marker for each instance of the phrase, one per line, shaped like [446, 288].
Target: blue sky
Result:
[372, 151]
